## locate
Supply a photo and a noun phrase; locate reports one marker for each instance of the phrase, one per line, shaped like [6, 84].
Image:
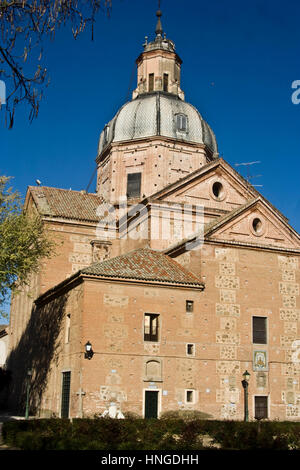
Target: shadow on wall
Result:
[36, 350]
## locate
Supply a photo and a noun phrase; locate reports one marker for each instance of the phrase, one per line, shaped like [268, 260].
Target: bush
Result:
[186, 415]
[151, 434]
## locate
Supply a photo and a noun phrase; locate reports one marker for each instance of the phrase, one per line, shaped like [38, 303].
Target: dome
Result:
[158, 114]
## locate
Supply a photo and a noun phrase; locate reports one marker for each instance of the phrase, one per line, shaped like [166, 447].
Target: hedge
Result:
[140, 434]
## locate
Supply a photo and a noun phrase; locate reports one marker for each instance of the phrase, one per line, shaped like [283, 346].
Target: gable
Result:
[216, 186]
[255, 223]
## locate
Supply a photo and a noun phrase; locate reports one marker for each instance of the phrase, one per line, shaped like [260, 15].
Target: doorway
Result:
[151, 404]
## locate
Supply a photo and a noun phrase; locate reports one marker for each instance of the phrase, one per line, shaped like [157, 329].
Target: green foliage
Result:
[186, 415]
[151, 434]
[23, 241]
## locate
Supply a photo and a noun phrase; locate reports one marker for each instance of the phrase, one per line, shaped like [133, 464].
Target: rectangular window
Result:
[151, 81]
[259, 330]
[190, 349]
[134, 185]
[181, 122]
[106, 133]
[65, 394]
[166, 82]
[189, 306]
[261, 407]
[189, 396]
[151, 327]
[68, 325]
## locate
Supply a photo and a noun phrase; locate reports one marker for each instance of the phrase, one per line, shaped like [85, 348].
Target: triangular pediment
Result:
[255, 223]
[199, 188]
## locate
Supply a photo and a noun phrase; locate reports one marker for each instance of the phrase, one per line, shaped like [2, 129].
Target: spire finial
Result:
[158, 30]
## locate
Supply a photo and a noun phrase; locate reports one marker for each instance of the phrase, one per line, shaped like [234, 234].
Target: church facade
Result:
[170, 281]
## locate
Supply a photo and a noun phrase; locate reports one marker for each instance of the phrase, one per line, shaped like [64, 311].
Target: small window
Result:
[189, 306]
[151, 327]
[68, 325]
[218, 190]
[151, 82]
[134, 185]
[259, 330]
[190, 349]
[257, 225]
[181, 122]
[189, 396]
[166, 82]
[106, 133]
[261, 407]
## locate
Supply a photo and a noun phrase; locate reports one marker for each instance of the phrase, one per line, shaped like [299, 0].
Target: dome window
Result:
[181, 122]
[106, 133]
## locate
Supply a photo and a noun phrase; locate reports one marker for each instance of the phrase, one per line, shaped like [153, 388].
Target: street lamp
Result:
[88, 351]
[245, 383]
[29, 374]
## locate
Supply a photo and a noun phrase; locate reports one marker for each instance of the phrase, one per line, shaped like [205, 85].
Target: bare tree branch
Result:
[24, 24]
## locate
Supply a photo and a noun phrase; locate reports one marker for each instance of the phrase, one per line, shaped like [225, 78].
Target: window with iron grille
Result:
[134, 185]
[259, 330]
[65, 394]
[151, 324]
[261, 407]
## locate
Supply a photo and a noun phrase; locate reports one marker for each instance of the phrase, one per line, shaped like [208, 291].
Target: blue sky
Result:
[239, 62]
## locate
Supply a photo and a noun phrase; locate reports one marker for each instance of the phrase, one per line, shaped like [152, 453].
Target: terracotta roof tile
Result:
[64, 203]
[144, 264]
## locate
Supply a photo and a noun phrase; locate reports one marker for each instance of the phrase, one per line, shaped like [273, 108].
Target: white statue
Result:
[113, 412]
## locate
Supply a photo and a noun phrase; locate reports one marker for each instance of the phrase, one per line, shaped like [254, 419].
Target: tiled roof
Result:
[144, 264]
[66, 203]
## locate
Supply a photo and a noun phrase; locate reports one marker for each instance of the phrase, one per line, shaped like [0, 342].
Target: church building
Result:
[175, 285]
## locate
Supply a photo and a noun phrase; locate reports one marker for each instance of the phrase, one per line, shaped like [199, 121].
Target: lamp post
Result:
[88, 351]
[245, 383]
[29, 374]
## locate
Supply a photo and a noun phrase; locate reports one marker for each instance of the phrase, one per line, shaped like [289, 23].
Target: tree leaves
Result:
[23, 241]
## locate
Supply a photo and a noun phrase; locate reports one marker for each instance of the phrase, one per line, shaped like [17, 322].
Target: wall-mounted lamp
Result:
[88, 351]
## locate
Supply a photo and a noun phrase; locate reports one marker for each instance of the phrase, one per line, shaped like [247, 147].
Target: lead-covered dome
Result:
[158, 114]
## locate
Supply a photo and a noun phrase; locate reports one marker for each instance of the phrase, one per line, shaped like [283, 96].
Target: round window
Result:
[257, 225]
[218, 190]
